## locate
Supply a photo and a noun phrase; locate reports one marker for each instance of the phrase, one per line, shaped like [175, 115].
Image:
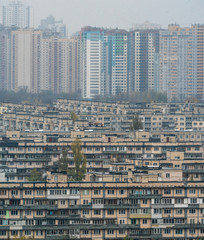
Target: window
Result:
[144, 221]
[97, 192]
[134, 221]
[121, 191]
[154, 221]
[193, 200]
[192, 211]
[2, 233]
[39, 212]
[110, 231]
[85, 212]
[121, 211]
[62, 202]
[167, 191]
[167, 231]
[39, 233]
[28, 212]
[2, 212]
[28, 192]
[85, 232]
[167, 211]
[192, 231]
[179, 191]
[144, 201]
[40, 192]
[121, 231]
[14, 192]
[179, 231]
[97, 212]
[85, 192]
[97, 232]
[14, 212]
[111, 192]
[179, 200]
[179, 211]
[122, 221]
[157, 210]
[192, 191]
[110, 212]
[74, 191]
[167, 175]
[14, 233]
[28, 233]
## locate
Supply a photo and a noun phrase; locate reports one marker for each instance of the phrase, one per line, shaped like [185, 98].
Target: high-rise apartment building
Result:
[117, 61]
[21, 59]
[73, 85]
[54, 26]
[41, 61]
[16, 14]
[181, 62]
[60, 64]
[94, 59]
[104, 61]
[143, 60]
[5, 59]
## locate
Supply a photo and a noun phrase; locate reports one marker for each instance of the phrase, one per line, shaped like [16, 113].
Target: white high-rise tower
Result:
[16, 14]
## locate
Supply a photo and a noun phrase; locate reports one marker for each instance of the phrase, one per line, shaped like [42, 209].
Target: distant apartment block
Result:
[143, 60]
[104, 61]
[54, 26]
[181, 62]
[100, 61]
[16, 14]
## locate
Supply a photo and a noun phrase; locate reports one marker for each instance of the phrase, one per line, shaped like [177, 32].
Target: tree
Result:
[78, 172]
[127, 238]
[35, 176]
[136, 123]
[63, 161]
[24, 238]
[74, 117]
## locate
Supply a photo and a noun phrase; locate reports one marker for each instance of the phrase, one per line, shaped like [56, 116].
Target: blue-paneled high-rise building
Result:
[104, 61]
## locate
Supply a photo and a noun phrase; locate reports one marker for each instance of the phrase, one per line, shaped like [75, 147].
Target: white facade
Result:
[22, 59]
[92, 59]
[16, 14]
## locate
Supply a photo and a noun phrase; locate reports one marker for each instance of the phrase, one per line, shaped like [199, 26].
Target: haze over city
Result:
[117, 13]
[101, 119]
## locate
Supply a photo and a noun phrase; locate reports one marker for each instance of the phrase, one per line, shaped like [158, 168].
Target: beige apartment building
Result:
[90, 210]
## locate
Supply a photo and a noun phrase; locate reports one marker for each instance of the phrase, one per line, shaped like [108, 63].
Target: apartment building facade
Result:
[165, 210]
[144, 60]
[181, 58]
[16, 14]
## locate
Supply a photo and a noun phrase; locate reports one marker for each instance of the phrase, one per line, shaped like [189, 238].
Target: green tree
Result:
[35, 176]
[77, 173]
[136, 123]
[74, 117]
[63, 161]
[127, 238]
[24, 238]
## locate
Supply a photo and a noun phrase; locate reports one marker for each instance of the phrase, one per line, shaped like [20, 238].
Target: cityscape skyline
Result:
[99, 60]
[116, 14]
[102, 130]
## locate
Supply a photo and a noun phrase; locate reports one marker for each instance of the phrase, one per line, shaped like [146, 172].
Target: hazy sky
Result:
[117, 13]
